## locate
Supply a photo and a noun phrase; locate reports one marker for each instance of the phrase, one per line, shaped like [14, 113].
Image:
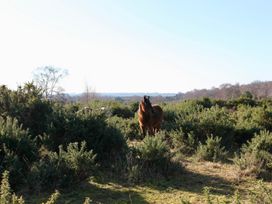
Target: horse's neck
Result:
[145, 112]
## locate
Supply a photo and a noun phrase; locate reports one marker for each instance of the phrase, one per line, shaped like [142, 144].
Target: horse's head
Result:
[146, 104]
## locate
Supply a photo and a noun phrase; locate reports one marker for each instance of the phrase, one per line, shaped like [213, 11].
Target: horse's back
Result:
[158, 113]
[157, 108]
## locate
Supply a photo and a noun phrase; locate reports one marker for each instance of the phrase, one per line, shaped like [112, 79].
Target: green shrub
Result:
[6, 196]
[212, 150]
[17, 150]
[153, 149]
[81, 161]
[63, 168]
[114, 108]
[133, 106]
[27, 105]
[149, 159]
[256, 156]
[206, 102]
[87, 200]
[182, 143]
[193, 118]
[123, 112]
[66, 127]
[246, 123]
[181, 115]
[128, 127]
[169, 120]
[53, 198]
[216, 121]
[250, 120]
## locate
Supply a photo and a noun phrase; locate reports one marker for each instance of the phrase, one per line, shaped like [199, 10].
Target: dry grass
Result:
[221, 178]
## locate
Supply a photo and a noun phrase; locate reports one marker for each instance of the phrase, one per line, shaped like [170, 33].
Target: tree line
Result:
[258, 89]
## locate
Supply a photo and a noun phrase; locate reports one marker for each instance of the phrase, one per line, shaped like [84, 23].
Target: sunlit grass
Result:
[221, 179]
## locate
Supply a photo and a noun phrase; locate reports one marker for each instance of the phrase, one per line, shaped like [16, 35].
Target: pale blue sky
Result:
[137, 46]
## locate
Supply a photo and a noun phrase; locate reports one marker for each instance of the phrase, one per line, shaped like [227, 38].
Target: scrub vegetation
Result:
[208, 151]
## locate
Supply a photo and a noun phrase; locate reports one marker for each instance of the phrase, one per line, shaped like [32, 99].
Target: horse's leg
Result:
[143, 130]
[150, 131]
[157, 128]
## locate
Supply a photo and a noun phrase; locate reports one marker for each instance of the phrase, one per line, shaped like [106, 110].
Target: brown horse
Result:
[149, 116]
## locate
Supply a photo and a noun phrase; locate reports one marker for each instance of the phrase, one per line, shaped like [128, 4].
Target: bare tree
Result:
[89, 94]
[47, 78]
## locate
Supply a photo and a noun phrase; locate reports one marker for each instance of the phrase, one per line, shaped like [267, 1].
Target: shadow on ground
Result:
[194, 183]
[98, 195]
[112, 189]
[185, 180]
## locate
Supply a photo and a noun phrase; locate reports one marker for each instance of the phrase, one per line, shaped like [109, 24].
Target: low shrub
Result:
[27, 106]
[216, 121]
[151, 158]
[128, 127]
[256, 156]
[103, 138]
[6, 196]
[53, 198]
[182, 143]
[63, 168]
[212, 150]
[246, 123]
[17, 150]
[123, 112]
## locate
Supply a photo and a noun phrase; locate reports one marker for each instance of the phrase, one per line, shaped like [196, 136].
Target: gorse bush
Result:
[256, 156]
[103, 138]
[27, 106]
[182, 143]
[149, 159]
[17, 150]
[133, 106]
[81, 161]
[123, 112]
[212, 150]
[128, 127]
[153, 149]
[201, 120]
[247, 123]
[59, 170]
[87, 200]
[216, 121]
[6, 196]
[53, 198]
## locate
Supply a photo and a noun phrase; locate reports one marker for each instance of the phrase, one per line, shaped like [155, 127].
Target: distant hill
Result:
[228, 91]
[121, 96]
[131, 94]
[258, 89]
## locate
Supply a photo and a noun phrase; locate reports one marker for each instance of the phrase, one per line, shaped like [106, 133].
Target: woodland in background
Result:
[258, 89]
[49, 144]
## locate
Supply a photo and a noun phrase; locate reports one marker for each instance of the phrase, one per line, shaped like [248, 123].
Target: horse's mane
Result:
[148, 104]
